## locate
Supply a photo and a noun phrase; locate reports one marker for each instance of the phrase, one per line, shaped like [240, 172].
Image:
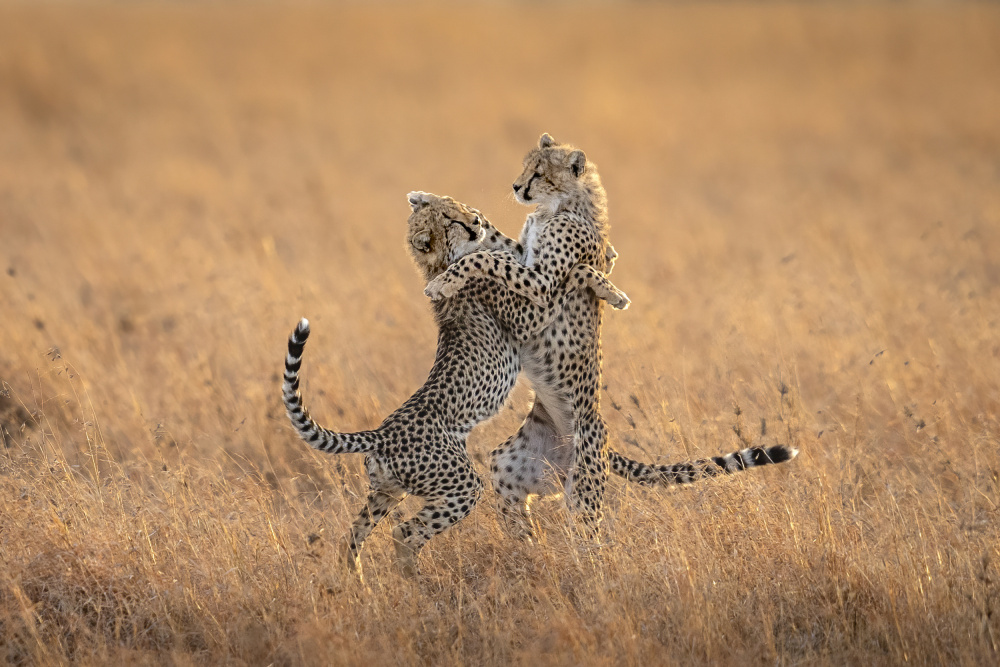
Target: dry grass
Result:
[806, 201]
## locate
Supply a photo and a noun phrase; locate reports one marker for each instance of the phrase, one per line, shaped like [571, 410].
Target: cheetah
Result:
[568, 227]
[420, 449]
[564, 432]
[549, 452]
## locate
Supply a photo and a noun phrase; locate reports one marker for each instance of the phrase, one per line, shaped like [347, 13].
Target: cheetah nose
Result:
[517, 188]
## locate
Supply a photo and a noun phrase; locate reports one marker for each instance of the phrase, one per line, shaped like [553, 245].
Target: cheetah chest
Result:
[529, 240]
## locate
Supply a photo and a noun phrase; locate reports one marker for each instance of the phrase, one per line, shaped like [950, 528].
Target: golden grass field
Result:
[806, 203]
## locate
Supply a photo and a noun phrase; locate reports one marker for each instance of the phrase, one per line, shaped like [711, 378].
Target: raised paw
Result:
[619, 300]
[610, 254]
[440, 288]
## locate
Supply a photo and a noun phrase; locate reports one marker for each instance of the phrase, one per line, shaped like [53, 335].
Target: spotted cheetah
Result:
[568, 227]
[564, 438]
[420, 449]
[547, 458]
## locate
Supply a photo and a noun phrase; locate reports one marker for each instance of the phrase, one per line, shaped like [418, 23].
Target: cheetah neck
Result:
[588, 202]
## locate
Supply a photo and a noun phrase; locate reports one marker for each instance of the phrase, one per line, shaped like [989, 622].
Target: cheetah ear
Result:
[577, 163]
[422, 241]
[417, 200]
[546, 141]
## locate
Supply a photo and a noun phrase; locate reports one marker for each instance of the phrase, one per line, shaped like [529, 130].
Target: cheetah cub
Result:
[569, 226]
[564, 432]
[420, 449]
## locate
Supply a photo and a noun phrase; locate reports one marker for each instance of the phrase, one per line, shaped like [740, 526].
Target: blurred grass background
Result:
[806, 203]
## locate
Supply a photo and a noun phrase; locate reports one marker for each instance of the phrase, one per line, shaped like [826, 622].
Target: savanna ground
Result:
[806, 203]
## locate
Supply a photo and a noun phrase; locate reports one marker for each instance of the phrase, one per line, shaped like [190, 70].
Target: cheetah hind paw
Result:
[350, 559]
[406, 556]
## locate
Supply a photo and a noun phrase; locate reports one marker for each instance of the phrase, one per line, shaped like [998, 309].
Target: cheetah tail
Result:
[693, 471]
[317, 436]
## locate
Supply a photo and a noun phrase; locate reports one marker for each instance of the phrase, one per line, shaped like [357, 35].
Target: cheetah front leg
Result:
[523, 320]
[494, 239]
[610, 255]
[499, 266]
[585, 275]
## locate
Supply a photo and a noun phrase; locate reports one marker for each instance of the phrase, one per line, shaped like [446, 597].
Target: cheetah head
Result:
[552, 171]
[441, 230]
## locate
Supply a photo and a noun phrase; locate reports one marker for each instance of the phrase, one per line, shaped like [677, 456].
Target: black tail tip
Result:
[781, 453]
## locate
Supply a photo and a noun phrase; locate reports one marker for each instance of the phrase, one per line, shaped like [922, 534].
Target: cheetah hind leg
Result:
[530, 463]
[588, 478]
[436, 516]
[406, 553]
[378, 505]
[510, 467]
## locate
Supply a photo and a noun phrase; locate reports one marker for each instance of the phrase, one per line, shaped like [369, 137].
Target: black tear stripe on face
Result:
[472, 234]
[531, 181]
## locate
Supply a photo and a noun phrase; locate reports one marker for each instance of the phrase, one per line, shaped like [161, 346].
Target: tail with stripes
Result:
[693, 471]
[317, 436]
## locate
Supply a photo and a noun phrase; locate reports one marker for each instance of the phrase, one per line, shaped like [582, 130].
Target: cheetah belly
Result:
[493, 383]
[557, 403]
[481, 366]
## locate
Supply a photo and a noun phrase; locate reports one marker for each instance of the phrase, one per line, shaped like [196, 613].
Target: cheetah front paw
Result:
[619, 300]
[610, 254]
[441, 288]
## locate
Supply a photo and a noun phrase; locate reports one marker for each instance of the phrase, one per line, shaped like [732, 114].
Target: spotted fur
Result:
[564, 430]
[420, 449]
[563, 440]
[688, 472]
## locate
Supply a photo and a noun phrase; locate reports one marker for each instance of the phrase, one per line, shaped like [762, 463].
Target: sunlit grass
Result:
[806, 204]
